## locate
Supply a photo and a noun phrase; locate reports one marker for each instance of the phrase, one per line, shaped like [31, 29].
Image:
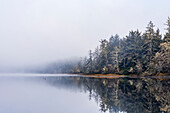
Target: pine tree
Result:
[89, 63]
[103, 55]
[152, 40]
[148, 43]
[167, 36]
[96, 60]
[162, 58]
[114, 53]
[116, 58]
[133, 51]
[161, 61]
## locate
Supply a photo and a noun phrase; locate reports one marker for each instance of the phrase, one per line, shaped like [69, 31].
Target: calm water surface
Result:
[37, 93]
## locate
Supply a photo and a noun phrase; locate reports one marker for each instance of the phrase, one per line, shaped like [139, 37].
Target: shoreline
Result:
[119, 76]
[159, 74]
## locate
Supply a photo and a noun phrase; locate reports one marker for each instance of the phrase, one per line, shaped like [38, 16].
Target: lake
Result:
[64, 93]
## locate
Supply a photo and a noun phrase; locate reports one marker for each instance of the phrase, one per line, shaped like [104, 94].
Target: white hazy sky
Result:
[39, 31]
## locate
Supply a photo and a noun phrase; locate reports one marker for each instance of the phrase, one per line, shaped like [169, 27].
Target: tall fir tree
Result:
[152, 40]
[114, 54]
[133, 51]
[103, 55]
[167, 35]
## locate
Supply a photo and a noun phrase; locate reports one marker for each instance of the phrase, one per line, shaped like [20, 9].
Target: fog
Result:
[36, 32]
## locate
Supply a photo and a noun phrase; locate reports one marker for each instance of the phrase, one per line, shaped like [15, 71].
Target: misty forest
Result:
[84, 56]
[138, 53]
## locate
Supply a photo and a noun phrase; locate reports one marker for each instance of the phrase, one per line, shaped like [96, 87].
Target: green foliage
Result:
[133, 51]
[137, 53]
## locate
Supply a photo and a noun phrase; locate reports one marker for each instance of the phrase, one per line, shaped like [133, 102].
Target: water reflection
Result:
[35, 95]
[129, 95]
[71, 94]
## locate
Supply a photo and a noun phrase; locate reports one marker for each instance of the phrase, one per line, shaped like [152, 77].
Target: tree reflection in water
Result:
[131, 95]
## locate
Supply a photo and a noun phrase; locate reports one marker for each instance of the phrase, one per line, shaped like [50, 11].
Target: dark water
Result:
[77, 94]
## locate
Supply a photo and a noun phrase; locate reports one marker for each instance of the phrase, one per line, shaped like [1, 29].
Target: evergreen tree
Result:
[161, 61]
[96, 60]
[133, 51]
[103, 55]
[114, 54]
[167, 36]
[90, 61]
[152, 40]
[148, 43]
[116, 60]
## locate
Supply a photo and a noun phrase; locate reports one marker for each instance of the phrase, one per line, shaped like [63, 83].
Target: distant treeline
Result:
[138, 53]
[66, 66]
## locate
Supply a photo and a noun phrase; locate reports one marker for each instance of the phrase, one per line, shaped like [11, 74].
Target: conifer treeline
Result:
[137, 53]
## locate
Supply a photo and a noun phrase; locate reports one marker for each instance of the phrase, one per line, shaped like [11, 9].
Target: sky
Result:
[34, 32]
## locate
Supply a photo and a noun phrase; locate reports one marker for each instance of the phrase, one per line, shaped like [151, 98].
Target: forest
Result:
[138, 53]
